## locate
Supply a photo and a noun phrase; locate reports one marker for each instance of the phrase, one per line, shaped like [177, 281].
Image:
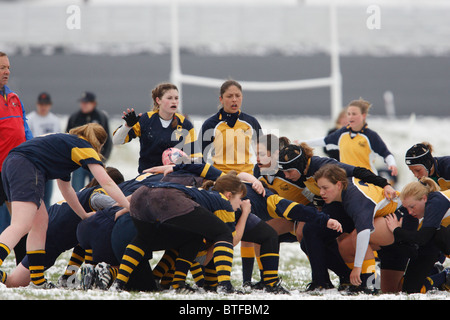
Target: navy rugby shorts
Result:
[22, 181]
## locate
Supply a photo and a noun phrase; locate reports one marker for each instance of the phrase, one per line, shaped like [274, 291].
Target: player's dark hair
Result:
[227, 84]
[114, 173]
[333, 173]
[158, 92]
[272, 141]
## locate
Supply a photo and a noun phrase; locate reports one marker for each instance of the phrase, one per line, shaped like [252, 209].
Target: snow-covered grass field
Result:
[294, 270]
[399, 134]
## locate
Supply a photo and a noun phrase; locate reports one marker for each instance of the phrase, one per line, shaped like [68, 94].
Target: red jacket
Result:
[13, 126]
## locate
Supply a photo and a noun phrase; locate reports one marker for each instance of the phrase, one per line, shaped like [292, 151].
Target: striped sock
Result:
[114, 272]
[3, 276]
[223, 260]
[36, 260]
[165, 264]
[210, 275]
[269, 263]
[75, 262]
[130, 260]
[181, 269]
[88, 256]
[4, 252]
[198, 274]
[167, 278]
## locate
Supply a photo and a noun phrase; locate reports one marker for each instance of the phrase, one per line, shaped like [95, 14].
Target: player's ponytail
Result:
[94, 133]
[418, 189]
[227, 183]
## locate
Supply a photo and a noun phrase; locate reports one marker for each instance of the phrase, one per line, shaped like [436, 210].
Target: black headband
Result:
[292, 157]
[419, 154]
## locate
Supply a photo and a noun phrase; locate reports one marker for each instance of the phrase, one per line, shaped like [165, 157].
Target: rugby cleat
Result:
[87, 276]
[184, 288]
[44, 285]
[103, 276]
[63, 281]
[226, 288]
[312, 286]
[253, 286]
[277, 288]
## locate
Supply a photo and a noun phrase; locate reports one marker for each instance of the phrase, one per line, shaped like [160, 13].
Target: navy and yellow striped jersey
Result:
[154, 139]
[442, 172]
[358, 149]
[314, 164]
[205, 171]
[230, 142]
[56, 155]
[273, 206]
[437, 210]
[365, 201]
[292, 190]
[192, 174]
[148, 179]
[60, 210]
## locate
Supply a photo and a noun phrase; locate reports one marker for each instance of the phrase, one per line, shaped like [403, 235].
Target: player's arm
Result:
[71, 198]
[362, 243]
[111, 188]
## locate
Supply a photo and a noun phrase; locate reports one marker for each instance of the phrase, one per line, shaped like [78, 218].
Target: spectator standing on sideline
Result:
[43, 121]
[89, 113]
[13, 131]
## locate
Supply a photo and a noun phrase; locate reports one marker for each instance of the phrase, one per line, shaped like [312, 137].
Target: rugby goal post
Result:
[334, 81]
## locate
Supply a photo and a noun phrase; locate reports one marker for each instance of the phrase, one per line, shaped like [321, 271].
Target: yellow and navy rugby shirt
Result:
[359, 148]
[56, 155]
[315, 163]
[229, 138]
[437, 210]
[272, 206]
[292, 190]
[364, 201]
[442, 172]
[154, 139]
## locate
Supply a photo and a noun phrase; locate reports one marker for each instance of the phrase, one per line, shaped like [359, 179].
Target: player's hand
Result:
[160, 169]
[334, 225]
[392, 222]
[355, 276]
[394, 170]
[246, 206]
[389, 192]
[130, 117]
[259, 188]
